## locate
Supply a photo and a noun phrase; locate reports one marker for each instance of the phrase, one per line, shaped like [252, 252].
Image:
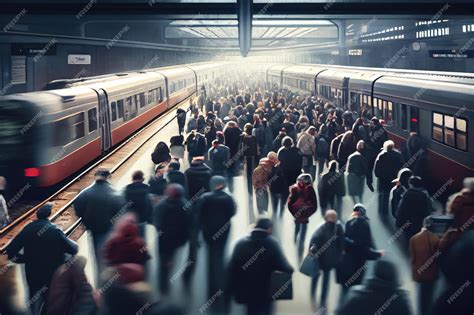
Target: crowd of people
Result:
[296, 153]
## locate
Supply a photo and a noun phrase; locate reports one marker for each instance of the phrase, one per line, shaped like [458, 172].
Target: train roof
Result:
[362, 81]
[278, 67]
[446, 94]
[308, 71]
[175, 71]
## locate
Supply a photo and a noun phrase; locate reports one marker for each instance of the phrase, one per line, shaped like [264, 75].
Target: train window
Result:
[389, 110]
[403, 117]
[414, 119]
[449, 130]
[128, 106]
[134, 106]
[461, 134]
[92, 116]
[160, 94]
[437, 132]
[120, 108]
[150, 97]
[68, 129]
[113, 106]
[142, 100]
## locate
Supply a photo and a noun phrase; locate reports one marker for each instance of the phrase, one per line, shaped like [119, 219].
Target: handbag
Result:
[310, 266]
[281, 286]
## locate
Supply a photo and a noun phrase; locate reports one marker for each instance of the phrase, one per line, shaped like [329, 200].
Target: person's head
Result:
[312, 130]
[248, 128]
[386, 271]
[287, 142]
[160, 169]
[174, 166]
[272, 157]
[138, 176]
[102, 174]
[388, 145]
[220, 137]
[264, 224]
[333, 166]
[304, 179]
[45, 211]
[403, 176]
[469, 183]
[330, 216]
[360, 145]
[415, 182]
[359, 210]
[174, 191]
[428, 222]
[217, 182]
[375, 121]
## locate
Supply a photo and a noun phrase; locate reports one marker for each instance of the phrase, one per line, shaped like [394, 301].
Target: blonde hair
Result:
[388, 145]
[360, 145]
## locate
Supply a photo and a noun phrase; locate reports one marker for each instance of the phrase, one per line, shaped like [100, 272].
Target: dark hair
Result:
[174, 165]
[137, 175]
[287, 142]
[415, 181]
[45, 211]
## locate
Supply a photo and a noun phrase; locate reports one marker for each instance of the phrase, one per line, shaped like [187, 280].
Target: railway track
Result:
[116, 161]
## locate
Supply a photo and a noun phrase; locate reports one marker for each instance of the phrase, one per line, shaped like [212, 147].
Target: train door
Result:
[104, 119]
[345, 93]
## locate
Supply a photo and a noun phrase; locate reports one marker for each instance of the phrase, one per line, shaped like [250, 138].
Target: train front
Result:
[20, 140]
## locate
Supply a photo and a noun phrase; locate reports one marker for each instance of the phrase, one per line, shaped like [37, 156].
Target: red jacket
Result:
[302, 202]
[125, 244]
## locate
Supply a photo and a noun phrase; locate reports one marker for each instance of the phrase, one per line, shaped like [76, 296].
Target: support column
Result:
[244, 14]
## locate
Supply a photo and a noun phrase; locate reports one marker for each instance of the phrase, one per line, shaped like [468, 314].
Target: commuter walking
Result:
[215, 210]
[302, 203]
[254, 259]
[260, 178]
[291, 163]
[137, 196]
[327, 244]
[173, 226]
[44, 248]
[249, 147]
[99, 206]
[356, 171]
[401, 186]
[386, 168]
[307, 146]
[331, 188]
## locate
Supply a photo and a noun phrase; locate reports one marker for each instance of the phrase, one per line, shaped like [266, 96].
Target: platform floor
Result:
[283, 230]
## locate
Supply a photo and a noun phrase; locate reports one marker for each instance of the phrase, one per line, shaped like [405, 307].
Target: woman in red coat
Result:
[302, 204]
[125, 244]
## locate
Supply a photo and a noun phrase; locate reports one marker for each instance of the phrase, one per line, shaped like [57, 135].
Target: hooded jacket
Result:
[302, 202]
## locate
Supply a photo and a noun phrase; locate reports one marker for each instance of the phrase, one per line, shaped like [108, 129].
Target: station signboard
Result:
[78, 59]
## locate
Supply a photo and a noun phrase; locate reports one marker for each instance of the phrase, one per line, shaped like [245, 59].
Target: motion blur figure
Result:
[327, 244]
[331, 188]
[137, 195]
[4, 216]
[380, 293]
[215, 210]
[249, 277]
[401, 186]
[261, 175]
[302, 203]
[9, 297]
[356, 173]
[99, 206]
[44, 249]
[172, 224]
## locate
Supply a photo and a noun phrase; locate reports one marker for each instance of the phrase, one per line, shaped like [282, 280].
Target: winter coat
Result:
[334, 148]
[176, 177]
[302, 202]
[457, 265]
[276, 144]
[260, 177]
[44, 248]
[198, 176]
[173, 223]
[137, 195]
[70, 292]
[322, 148]
[347, 146]
[291, 163]
[356, 171]
[196, 144]
[331, 186]
[125, 245]
[192, 124]
[97, 205]
[378, 135]
[462, 207]
[157, 185]
[254, 259]
[386, 168]
[306, 144]
[248, 145]
[277, 181]
[219, 157]
[380, 294]
[232, 139]
[161, 153]
[259, 133]
[215, 210]
[396, 195]
[327, 244]
[423, 248]
[414, 207]
[181, 117]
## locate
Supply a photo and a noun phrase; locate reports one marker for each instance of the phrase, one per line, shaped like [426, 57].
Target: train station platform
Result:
[193, 300]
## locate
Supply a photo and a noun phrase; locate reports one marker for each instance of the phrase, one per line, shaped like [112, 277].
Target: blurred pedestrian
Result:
[254, 259]
[327, 244]
[291, 162]
[181, 118]
[99, 206]
[232, 134]
[401, 186]
[386, 168]
[44, 248]
[331, 188]
[307, 146]
[158, 183]
[260, 178]
[277, 185]
[356, 172]
[174, 176]
[4, 216]
[137, 195]
[249, 147]
[302, 203]
[219, 157]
